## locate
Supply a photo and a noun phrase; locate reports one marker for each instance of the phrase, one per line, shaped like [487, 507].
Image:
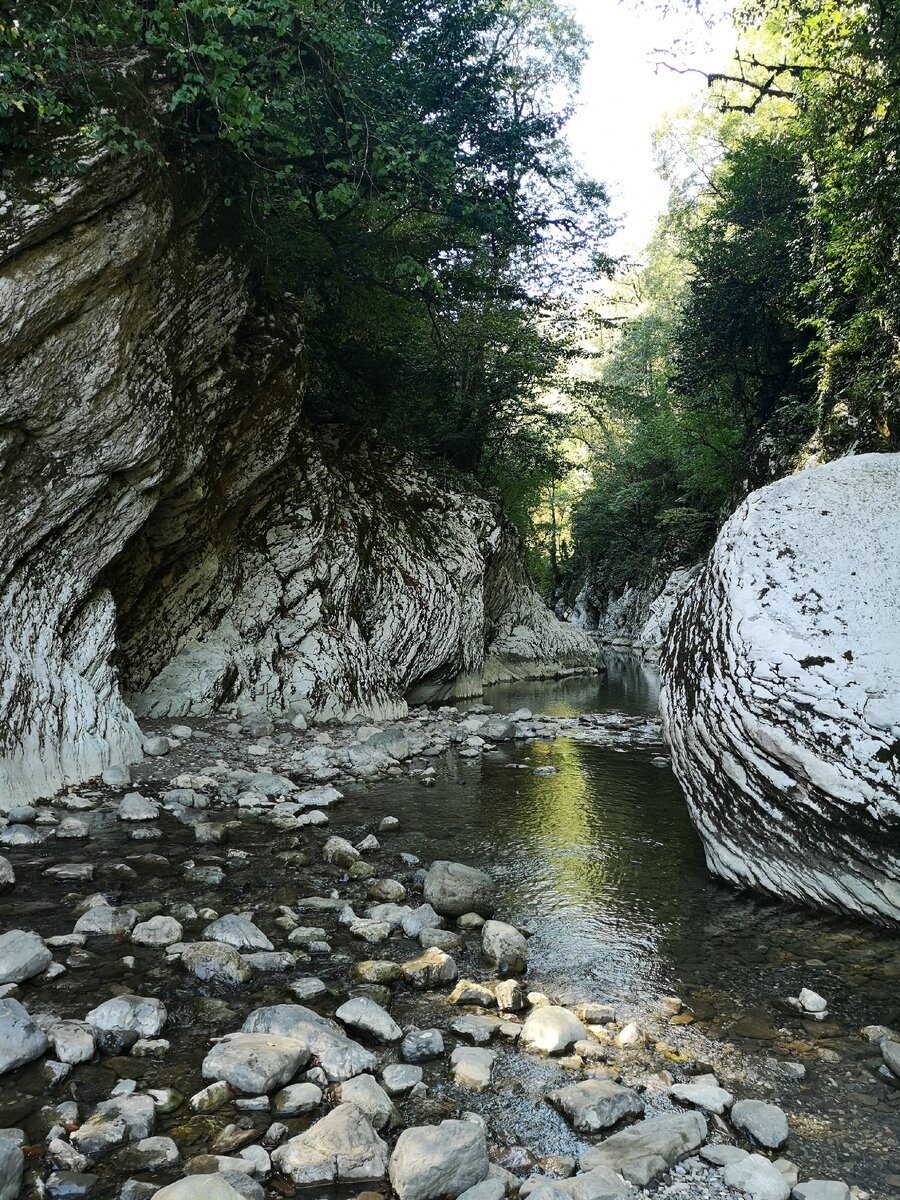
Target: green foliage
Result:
[397, 166]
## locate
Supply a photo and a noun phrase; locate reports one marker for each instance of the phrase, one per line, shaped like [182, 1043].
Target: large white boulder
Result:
[433, 1161]
[781, 690]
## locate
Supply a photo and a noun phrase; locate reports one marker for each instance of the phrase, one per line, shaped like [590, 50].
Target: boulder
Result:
[708, 1096]
[757, 1178]
[341, 1147]
[114, 1123]
[237, 930]
[596, 1104]
[215, 962]
[12, 1163]
[550, 1030]
[765, 1123]
[296, 1099]
[821, 1189]
[453, 889]
[504, 946]
[370, 1098]
[431, 969]
[199, 1187]
[144, 1015]
[7, 874]
[107, 921]
[158, 931]
[338, 1056]
[20, 1039]
[472, 1066]
[22, 955]
[255, 1063]
[364, 1014]
[781, 690]
[434, 1161]
[646, 1149]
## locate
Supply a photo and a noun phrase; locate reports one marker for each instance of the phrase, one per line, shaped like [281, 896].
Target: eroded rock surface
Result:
[781, 690]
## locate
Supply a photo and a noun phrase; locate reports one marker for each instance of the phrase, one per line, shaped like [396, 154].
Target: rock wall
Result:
[781, 690]
[168, 519]
[638, 618]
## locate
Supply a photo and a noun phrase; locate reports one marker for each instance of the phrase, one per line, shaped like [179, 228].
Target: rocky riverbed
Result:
[245, 968]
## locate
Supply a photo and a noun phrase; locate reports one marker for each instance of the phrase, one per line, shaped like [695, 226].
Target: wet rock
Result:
[721, 1155]
[106, 921]
[648, 1148]
[342, 1147]
[400, 1078]
[430, 969]
[596, 1104]
[255, 1062]
[476, 1029]
[215, 962]
[67, 1185]
[504, 946]
[150, 1154]
[308, 988]
[364, 1014]
[135, 807]
[199, 1187]
[12, 1162]
[211, 1098]
[387, 890]
[453, 889]
[114, 1123]
[143, 1015]
[434, 1161]
[765, 1123]
[73, 1041]
[488, 1189]
[551, 1029]
[509, 995]
[158, 931]
[71, 829]
[338, 1056]
[468, 991]
[296, 1099]
[421, 1045]
[22, 955]
[340, 852]
[237, 930]
[370, 1098]
[377, 971]
[472, 1066]
[757, 1178]
[20, 835]
[7, 874]
[21, 1040]
[708, 1096]
[890, 1052]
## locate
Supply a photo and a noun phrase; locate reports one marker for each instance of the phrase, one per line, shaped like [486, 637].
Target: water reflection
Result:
[628, 685]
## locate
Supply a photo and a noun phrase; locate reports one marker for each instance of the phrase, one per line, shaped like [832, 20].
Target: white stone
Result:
[551, 1029]
[757, 1178]
[255, 1063]
[764, 1123]
[433, 1161]
[504, 946]
[22, 955]
[364, 1014]
[453, 889]
[342, 1147]
[144, 1015]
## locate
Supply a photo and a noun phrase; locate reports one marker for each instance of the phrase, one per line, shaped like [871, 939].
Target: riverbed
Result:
[598, 861]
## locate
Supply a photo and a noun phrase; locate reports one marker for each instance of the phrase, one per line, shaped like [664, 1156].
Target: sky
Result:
[624, 96]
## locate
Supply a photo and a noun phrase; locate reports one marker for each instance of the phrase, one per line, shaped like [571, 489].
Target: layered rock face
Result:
[167, 516]
[781, 690]
[638, 618]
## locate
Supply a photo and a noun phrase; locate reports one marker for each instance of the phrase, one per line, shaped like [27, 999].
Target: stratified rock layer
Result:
[781, 690]
[175, 538]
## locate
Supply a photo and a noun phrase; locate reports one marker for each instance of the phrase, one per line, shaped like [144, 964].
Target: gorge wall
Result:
[781, 690]
[174, 537]
[638, 618]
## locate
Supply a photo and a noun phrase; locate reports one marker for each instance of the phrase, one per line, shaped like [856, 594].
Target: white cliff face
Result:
[639, 618]
[781, 690]
[172, 529]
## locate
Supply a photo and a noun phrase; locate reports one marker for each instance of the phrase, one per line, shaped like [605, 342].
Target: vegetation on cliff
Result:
[764, 327]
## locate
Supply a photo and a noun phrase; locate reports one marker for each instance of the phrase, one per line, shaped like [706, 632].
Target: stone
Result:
[779, 703]
[453, 889]
[370, 1098]
[144, 1015]
[431, 969]
[308, 988]
[599, 1184]
[107, 921]
[199, 1187]
[472, 1066]
[488, 1189]
[765, 1123]
[399, 1078]
[71, 829]
[338, 1056]
[646, 1149]
[22, 955]
[211, 1098]
[135, 807]
[238, 931]
[504, 946]
[73, 1041]
[255, 1063]
[890, 1052]
[821, 1189]
[340, 852]
[757, 1178]
[433, 1161]
[296, 1099]
[156, 747]
[551, 1029]
[364, 1014]
[476, 1029]
[7, 874]
[342, 1147]
[114, 1123]
[710, 1098]
[811, 1001]
[158, 931]
[421, 1045]
[387, 890]
[67, 1185]
[12, 1163]
[376, 970]
[21, 1040]
[117, 776]
[722, 1154]
[215, 962]
[150, 1154]
[596, 1104]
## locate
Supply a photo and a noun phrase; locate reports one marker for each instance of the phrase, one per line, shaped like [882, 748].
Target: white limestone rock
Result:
[781, 690]
[454, 888]
[342, 1147]
[551, 1030]
[646, 1149]
[593, 1105]
[433, 1161]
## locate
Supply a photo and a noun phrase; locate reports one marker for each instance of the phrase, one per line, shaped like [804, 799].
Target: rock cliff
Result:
[638, 618]
[175, 538]
[781, 690]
